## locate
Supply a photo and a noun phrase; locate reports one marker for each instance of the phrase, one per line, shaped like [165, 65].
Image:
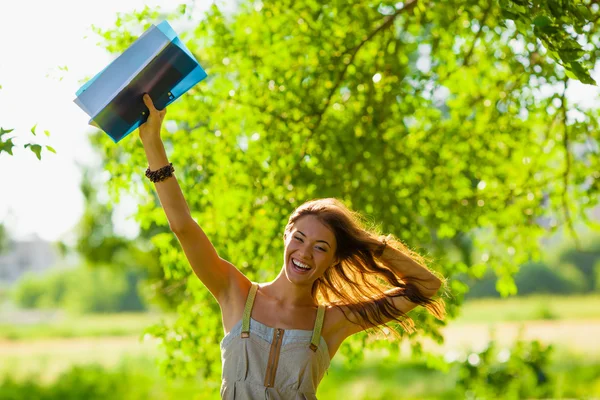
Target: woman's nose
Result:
[306, 252]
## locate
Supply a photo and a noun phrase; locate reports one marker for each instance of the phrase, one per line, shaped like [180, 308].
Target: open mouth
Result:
[300, 267]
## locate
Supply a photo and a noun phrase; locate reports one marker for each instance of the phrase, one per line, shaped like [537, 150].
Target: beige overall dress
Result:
[260, 362]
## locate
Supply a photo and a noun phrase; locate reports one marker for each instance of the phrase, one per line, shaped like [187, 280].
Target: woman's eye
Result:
[297, 238]
[320, 248]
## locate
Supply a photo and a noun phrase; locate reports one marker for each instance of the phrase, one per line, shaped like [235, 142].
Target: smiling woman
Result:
[350, 264]
[338, 278]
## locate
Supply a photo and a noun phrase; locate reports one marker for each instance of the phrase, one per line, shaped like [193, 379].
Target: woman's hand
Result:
[151, 128]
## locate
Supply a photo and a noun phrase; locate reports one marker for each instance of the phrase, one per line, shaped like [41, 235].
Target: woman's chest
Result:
[286, 319]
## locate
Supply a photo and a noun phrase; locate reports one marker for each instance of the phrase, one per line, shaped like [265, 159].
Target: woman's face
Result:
[309, 250]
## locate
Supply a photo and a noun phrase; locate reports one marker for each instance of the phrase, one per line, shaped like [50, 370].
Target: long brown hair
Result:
[363, 273]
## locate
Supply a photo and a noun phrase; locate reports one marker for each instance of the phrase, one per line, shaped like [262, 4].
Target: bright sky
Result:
[36, 38]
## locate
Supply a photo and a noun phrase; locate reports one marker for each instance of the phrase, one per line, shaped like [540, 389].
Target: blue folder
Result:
[157, 63]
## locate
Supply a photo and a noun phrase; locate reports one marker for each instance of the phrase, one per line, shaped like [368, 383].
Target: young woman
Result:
[337, 279]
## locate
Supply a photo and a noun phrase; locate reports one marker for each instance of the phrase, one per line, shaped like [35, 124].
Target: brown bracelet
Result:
[160, 174]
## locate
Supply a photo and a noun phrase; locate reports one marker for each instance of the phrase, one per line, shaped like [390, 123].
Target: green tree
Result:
[80, 290]
[584, 262]
[446, 122]
[562, 27]
[136, 259]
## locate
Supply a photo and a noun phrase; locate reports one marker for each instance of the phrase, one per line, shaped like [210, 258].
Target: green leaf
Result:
[555, 8]
[7, 146]
[581, 73]
[570, 54]
[542, 21]
[50, 148]
[47, 133]
[504, 4]
[510, 15]
[584, 12]
[33, 129]
[520, 9]
[37, 149]
[506, 286]
[3, 131]
[547, 30]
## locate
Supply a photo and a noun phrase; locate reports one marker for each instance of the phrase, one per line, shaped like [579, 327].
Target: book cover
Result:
[157, 63]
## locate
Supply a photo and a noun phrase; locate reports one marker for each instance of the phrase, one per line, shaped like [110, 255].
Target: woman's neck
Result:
[288, 295]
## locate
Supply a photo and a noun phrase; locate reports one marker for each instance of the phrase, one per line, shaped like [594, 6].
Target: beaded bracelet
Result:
[160, 174]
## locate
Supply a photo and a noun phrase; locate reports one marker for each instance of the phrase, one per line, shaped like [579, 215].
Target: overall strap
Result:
[316, 336]
[248, 310]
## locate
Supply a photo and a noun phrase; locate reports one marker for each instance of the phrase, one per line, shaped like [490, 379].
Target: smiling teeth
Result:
[300, 265]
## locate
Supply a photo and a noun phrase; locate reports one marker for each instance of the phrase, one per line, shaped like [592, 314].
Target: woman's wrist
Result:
[160, 174]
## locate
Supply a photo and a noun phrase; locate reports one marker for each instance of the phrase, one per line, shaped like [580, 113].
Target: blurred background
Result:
[468, 129]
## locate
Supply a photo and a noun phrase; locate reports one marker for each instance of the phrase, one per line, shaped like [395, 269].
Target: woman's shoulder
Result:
[232, 308]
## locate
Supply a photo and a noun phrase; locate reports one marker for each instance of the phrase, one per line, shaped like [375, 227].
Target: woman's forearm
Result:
[169, 191]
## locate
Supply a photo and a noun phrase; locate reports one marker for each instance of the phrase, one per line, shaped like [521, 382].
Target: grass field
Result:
[574, 326]
[531, 308]
[35, 325]
[372, 379]
[47, 348]
[20, 326]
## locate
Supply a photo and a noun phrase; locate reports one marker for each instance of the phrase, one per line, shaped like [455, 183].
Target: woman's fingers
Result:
[153, 111]
[148, 102]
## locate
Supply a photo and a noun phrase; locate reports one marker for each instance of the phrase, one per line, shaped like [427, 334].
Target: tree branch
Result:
[387, 22]
[486, 12]
[567, 172]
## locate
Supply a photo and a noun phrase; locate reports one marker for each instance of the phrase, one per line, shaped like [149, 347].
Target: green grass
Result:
[386, 379]
[376, 378]
[132, 378]
[110, 339]
[530, 308]
[516, 309]
[90, 325]
[379, 378]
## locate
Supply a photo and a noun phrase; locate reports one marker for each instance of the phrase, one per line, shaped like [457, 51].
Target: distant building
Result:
[27, 255]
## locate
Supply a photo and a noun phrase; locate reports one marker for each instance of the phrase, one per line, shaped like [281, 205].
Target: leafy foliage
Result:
[516, 373]
[102, 247]
[89, 382]
[562, 27]
[7, 144]
[444, 122]
[81, 290]
[568, 269]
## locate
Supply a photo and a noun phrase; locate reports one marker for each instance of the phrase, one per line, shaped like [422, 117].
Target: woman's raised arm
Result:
[218, 275]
